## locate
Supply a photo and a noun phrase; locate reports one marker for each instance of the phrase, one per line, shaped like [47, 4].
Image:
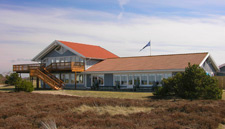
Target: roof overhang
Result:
[208, 56]
[136, 71]
[52, 46]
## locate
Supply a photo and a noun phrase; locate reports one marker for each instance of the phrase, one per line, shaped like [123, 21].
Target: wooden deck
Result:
[53, 67]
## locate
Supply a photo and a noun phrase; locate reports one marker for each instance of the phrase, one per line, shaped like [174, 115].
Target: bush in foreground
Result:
[194, 83]
[24, 85]
[13, 79]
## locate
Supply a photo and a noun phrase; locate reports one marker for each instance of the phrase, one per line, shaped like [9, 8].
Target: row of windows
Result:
[50, 60]
[69, 78]
[142, 79]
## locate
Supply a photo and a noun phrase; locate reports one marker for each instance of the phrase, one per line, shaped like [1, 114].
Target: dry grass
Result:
[111, 110]
[29, 110]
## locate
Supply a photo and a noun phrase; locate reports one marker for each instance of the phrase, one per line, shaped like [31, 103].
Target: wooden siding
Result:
[221, 80]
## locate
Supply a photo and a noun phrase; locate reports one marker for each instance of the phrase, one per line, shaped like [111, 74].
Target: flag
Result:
[148, 44]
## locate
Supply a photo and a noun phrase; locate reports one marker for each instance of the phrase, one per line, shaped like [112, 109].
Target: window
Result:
[123, 79]
[101, 80]
[136, 79]
[167, 75]
[63, 77]
[72, 78]
[151, 79]
[159, 78]
[116, 80]
[60, 49]
[57, 76]
[80, 78]
[77, 58]
[144, 79]
[67, 78]
[130, 79]
[61, 59]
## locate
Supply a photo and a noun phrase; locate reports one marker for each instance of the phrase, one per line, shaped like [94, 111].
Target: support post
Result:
[44, 85]
[75, 80]
[37, 83]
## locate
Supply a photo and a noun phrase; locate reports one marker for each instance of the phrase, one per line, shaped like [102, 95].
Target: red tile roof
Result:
[161, 62]
[89, 51]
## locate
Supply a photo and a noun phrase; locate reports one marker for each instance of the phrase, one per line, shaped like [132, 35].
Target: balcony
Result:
[54, 67]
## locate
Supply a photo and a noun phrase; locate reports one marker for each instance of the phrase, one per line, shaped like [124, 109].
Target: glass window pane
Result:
[144, 79]
[167, 75]
[130, 80]
[101, 79]
[159, 78]
[151, 79]
[67, 78]
[116, 80]
[72, 78]
[79, 78]
[136, 79]
[123, 79]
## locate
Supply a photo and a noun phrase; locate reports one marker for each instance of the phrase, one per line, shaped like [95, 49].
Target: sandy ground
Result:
[60, 92]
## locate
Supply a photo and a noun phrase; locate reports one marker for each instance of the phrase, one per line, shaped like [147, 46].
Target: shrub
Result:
[13, 79]
[192, 84]
[24, 85]
[2, 79]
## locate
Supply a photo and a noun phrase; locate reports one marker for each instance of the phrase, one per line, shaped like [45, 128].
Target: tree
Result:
[194, 83]
[13, 79]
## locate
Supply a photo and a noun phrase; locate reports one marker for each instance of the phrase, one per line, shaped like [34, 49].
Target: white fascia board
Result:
[68, 48]
[137, 71]
[212, 60]
[206, 57]
[45, 51]
[214, 63]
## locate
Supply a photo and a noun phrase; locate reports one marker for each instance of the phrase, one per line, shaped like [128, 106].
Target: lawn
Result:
[30, 110]
[109, 94]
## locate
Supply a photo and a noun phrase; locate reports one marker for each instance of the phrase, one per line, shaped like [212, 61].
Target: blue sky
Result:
[121, 26]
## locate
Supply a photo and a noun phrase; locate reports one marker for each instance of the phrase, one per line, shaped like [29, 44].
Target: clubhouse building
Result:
[65, 64]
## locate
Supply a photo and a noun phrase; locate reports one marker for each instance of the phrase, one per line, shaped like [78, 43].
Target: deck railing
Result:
[25, 67]
[59, 66]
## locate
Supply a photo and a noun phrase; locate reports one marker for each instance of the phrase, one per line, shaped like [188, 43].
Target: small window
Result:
[80, 78]
[67, 78]
[130, 79]
[72, 78]
[101, 80]
[151, 79]
[123, 79]
[116, 80]
[167, 75]
[136, 79]
[144, 79]
[159, 78]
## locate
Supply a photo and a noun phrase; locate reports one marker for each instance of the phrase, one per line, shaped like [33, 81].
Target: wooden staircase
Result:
[47, 77]
[43, 72]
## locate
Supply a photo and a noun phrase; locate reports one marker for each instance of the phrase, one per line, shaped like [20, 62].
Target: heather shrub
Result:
[24, 85]
[194, 83]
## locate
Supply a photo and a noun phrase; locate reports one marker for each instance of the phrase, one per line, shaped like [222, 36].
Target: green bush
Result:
[13, 79]
[24, 85]
[191, 84]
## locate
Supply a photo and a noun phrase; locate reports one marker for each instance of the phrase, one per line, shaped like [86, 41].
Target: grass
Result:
[109, 94]
[111, 110]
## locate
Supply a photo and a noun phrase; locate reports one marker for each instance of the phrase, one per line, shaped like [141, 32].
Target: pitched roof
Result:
[89, 51]
[161, 62]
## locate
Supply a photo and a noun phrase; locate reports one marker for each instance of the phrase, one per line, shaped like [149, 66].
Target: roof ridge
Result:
[162, 55]
[78, 43]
